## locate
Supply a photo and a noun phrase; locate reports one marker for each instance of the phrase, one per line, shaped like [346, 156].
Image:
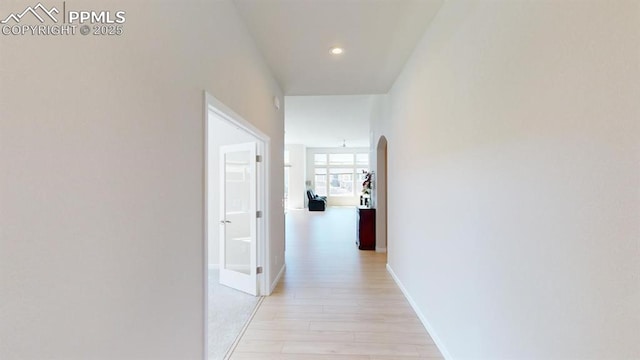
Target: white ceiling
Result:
[325, 121]
[377, 36]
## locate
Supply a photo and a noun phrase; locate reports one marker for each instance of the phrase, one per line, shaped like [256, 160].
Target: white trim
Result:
[421, 316]
[223, 110]
[264, 247]
[277, 279]
[213, 266]
[381, 249]
[205, 215]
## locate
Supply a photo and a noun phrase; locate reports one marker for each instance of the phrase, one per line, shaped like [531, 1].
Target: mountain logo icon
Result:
[36, 11]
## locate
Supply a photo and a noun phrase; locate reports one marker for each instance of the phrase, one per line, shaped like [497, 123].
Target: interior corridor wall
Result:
[514, 152]
[102, 178]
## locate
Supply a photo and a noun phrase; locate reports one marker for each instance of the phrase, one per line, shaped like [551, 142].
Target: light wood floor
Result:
[334, 301]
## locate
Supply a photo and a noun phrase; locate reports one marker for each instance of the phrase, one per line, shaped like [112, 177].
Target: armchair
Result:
[316, 202]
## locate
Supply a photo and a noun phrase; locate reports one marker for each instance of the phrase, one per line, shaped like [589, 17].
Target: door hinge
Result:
[258, 158]
[259, 214]
[259, 270]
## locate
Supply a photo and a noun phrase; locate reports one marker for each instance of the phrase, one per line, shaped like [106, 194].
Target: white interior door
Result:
[238, 217]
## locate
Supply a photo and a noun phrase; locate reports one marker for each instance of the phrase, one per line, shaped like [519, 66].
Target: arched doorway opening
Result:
[381, 195]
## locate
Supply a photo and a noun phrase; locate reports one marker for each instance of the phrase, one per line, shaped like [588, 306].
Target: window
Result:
[320, 179]
[340, 159]
[341, 182]
[286, 187]
[287, 165]
[339, 174]
[362, 160]
[320, 159]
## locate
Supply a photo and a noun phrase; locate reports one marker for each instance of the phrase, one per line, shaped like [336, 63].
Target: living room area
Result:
[327, 151]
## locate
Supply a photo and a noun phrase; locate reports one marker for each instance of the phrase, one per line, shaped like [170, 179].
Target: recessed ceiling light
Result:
[336, 50]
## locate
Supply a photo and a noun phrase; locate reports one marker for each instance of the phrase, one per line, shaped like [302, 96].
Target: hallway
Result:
[334, 301]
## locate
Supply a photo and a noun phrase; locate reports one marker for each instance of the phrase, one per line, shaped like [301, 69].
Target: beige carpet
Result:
[229, 311]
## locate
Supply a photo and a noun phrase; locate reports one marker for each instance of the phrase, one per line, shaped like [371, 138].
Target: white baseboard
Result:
[381, 249]
[277, 279]
[421, 316]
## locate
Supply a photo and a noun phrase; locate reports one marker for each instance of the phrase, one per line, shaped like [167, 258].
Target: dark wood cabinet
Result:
[366, 228]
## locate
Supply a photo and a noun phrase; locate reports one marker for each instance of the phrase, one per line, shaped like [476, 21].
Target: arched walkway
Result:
[381, 194]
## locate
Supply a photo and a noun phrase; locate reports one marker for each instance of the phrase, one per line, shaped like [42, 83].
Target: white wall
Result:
[327, 121]
[101, 180]
[514, 152]
[297, 175]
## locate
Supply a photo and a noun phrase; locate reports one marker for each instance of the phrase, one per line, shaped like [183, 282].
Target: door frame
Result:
[211, 104]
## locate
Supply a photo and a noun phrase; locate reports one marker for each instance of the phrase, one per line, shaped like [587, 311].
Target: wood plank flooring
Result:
[334, 301]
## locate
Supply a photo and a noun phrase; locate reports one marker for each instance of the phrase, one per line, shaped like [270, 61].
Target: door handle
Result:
[225, 222]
